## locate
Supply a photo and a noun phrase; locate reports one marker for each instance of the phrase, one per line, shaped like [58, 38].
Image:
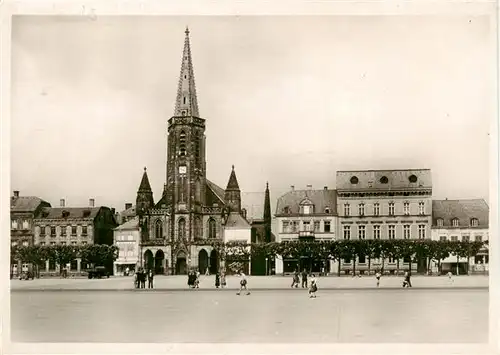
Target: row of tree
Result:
[411, 250]
[36, 255]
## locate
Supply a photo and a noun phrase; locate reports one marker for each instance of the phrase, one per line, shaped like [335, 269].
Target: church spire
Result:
[232, 184]
[232, 194]
[144, 200]
[187, 102]
[267, 215]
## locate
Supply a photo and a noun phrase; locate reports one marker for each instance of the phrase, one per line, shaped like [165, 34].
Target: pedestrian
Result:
[295, 279]
[143, 278]
[449, 276]
[127, 271]
[313, 287]
[197, 280]
[243, 284]
[207, 272]
[136, 280]
[304, 278]
[223, 279]
[406, 281]
[377, 276]
[150, 279]
[217, 280]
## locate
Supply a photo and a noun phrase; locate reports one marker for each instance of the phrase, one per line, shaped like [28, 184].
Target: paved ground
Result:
[370, 315]
[255, 283]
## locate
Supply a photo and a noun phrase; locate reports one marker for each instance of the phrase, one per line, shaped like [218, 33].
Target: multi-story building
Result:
[384, 204]
[74, 226]
[305, 215]
[127, 239]
[192, 209]
[23, 210]
[461, 220]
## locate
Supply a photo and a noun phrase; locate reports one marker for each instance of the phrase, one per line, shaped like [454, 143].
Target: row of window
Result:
[181, 228]
[24, 243]
[20, 224]
[124, 238]
[376, 209]
[294, 226]
[465, 238]
[305, 209]
[63, 243]
[391, 231]
[60, 230]
[455, 222]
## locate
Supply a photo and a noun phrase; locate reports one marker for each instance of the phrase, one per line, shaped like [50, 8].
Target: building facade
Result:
[73, 226]
[384, 204]
[461, 220]
[23, 211]
[305, 215]
[192, 210]
[127, 239]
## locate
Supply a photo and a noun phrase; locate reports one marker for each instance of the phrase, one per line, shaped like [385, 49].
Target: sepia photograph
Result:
[251, 179]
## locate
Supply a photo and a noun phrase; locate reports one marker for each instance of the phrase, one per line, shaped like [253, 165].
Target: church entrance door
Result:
[214, 262]
[159, 257]
[203, 261]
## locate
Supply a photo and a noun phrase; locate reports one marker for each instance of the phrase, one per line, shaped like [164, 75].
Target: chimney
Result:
[325, 188]
[91, 202]
[16, 194]
[309, 187]
[292, 187]
[62, 203]
[128, 205]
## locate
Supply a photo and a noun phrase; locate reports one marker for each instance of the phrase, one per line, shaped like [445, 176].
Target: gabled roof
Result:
[129, 225]
[320, 198]
[214, 194]
[25, 203]
[374, 179]
[236, 221]
[464, 210]
[129, 212]
[232, 184]
[74, 212]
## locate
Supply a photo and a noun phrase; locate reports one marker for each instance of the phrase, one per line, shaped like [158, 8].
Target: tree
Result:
[61, 254]
[98, 254]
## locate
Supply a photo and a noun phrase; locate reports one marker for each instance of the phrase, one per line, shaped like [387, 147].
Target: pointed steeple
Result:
[144, 200]
[187, 102]
[267, 215]
[232, 194]
[233, 182]
[144, 186]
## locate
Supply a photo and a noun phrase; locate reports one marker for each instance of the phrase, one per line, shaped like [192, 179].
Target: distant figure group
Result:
[194, 279]
[140, 278]
[313, 284]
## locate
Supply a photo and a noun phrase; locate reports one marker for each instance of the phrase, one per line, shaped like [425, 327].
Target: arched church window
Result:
[182, 229]
[212, 229]
[158, 229]
[198, 228]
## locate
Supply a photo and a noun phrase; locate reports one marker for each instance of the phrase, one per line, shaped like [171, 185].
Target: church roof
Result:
[145, 185]
[464, 210]
[186, 103]
[236, 221]
[232, 184]
[214, 194]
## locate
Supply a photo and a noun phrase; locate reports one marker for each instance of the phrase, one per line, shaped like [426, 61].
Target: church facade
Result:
[177, 230]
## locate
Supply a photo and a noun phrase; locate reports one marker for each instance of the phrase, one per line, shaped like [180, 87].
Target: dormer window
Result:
[440, 222]
[474, 222]
[327, 210]
[286, 210]
[86, 214]
[384, 180]
[454, 222]
[354, 180]
[65, 214]
[306, 207]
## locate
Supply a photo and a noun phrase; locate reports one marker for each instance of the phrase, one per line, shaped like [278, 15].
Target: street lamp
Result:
[267, 265]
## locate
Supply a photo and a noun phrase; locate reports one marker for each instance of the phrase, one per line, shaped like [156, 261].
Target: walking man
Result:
[304, 278]
[150, 279]
[377, 275]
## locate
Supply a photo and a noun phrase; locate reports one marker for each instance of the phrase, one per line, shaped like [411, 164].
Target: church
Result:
[176, 231]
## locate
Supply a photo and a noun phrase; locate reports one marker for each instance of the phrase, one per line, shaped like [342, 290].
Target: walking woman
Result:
[223, 279]
[313, 288]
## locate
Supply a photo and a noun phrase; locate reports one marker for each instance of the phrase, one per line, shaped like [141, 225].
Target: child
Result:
[313, 287]
[377, 275]
[243, 284]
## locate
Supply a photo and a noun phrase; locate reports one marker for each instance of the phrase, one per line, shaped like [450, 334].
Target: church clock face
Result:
[182, 169]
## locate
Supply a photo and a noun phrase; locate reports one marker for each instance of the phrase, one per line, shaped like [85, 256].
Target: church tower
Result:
[186, 168]
[232, 195]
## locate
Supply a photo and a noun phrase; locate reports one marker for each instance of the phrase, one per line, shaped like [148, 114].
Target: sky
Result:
[287, 100]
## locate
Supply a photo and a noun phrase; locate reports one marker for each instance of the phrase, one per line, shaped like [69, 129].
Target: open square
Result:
[366, 315]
